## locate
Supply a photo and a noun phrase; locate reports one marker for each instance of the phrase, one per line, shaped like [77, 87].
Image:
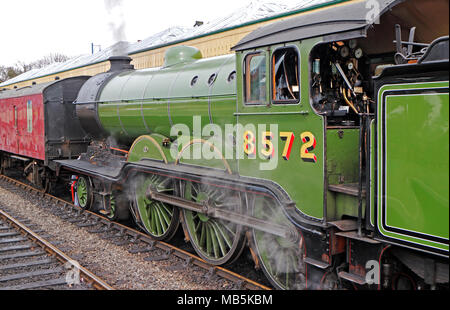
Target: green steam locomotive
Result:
[321, 144]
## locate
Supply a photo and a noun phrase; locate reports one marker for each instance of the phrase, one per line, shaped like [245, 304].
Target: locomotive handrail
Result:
[152, 99]
[413, 43]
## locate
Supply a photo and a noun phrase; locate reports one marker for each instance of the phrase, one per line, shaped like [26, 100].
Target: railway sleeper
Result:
[139, 250]
[16, 247]
[22, 254]
[25, 275]
[39, 284]
[9, 234]
[13, 240]
[47, 261]
[162, 257]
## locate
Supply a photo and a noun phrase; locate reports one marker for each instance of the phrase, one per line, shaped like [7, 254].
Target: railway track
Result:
[28, 261]
[135, 241]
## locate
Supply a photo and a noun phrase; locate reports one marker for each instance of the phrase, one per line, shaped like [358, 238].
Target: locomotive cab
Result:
[329, 80]
[343, 90]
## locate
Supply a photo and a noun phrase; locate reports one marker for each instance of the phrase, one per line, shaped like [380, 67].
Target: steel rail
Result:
[190, 259]
[85, 274]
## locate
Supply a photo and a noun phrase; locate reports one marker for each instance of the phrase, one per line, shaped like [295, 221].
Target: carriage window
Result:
[29, 116]
[285, 75]
[255, 79]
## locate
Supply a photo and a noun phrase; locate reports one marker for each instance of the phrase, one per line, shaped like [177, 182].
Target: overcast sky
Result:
[31, 29]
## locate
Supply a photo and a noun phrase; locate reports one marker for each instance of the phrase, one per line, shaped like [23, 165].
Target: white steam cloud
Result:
[117, 24]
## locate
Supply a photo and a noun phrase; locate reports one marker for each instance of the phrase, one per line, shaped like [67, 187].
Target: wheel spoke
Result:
[220, 238]
[168, 212]
[223, 234]
[216, 241]
[208, 240]
[159, 228]
[164, 216]
[228, 228]
[112, 206]
[153, 221]
[159, 219]
[198, 226]
[203, 235]
[194, 190]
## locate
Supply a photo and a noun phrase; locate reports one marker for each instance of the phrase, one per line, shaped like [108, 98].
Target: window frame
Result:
[245, 84]
[29, 116]
[289, 102]
[16, 117]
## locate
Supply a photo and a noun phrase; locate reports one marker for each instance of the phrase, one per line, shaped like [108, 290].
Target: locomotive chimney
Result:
[119, 63]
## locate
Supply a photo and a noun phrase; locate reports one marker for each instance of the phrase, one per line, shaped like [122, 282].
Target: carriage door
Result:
[21, 126]
[27, 130]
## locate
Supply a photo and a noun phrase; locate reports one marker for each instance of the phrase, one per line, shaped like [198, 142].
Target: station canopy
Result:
[256, 10]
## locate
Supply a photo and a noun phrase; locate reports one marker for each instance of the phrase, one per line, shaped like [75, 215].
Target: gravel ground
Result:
[112, 263]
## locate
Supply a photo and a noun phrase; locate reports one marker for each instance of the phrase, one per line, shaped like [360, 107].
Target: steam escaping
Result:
[117, 25]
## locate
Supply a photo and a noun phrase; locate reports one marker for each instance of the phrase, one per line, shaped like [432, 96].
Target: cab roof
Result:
[356, 15]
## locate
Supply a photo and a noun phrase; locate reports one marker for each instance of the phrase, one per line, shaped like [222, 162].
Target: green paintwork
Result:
[347, 205]
[302, 180]
[216, 158]
[181, 54]
[144, 148]
[82, 192]
[342, 156]
[156, 216]
[417, 157]
[145, 97]
[135, 103]
[342, 168]
[373, 165]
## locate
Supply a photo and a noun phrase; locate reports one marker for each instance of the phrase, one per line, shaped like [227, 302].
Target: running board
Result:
[20, 158]
[316, 263]
[352, 277]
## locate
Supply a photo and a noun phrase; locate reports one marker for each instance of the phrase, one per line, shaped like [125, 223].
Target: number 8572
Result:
[309, 143]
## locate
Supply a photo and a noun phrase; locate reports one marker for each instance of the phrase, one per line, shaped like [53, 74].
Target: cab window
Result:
[255, 78]
[285, 76]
